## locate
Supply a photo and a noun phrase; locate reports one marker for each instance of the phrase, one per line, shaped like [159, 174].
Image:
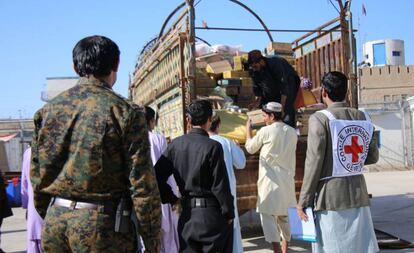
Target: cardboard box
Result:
[203, 91]
[201, 64]
[256, 118]
[244, 101]
[203, 61]
[232, 90]
[245, 91]
[210, 58]
[202, 81]
[247, 81]
[246, 98]
[218, 67]
[279, 47]
[286, 55]
[235, 74]
[238, 61]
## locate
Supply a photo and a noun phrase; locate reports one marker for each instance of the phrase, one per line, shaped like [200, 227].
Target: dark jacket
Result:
[197, 163]
[276, 79]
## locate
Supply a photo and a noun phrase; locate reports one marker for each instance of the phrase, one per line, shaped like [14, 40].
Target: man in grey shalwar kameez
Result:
[333, 182]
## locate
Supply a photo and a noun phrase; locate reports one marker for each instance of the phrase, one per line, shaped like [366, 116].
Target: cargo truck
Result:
[168, 75]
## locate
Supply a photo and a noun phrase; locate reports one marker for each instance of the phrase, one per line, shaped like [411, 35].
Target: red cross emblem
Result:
[355, 149]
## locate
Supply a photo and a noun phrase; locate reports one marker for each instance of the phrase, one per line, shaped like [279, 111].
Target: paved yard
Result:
[392, 207]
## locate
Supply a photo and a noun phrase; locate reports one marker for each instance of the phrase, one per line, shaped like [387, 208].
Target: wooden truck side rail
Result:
[160, 77]
[318, 52]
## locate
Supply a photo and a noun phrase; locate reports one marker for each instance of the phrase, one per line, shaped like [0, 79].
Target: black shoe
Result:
[1, 251]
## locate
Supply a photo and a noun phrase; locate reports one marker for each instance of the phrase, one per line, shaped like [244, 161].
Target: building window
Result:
[395, 98]
[387, 98]
[379, 54]
[396, 53]
[404, 96]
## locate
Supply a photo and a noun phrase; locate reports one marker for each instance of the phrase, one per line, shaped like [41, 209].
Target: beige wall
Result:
[386, 84]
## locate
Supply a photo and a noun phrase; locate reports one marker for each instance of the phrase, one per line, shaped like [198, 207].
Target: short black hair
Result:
[149, 114]
[199, 111]
[336, 85]
[276, 115]
[254, 56]
[215, 122]
[95, 55]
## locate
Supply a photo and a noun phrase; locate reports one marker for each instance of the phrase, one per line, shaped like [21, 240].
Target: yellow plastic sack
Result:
[233, 125]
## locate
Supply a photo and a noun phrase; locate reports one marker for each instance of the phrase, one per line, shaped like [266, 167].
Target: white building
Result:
[56, 85]
[384, 52]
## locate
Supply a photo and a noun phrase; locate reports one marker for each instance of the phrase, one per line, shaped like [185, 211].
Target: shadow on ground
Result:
[13, 231]
[394, 215]
[254, 241]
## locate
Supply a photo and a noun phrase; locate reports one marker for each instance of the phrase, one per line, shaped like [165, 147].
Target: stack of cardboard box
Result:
[225, 71]
[281, 49]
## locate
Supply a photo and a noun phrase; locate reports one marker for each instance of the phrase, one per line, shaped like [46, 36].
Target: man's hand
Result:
[302, 215]
[248, 128]
[229, 221]
[248, 124]
[177, 207]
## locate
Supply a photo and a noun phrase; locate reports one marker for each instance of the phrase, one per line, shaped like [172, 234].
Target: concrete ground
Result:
[392, 208]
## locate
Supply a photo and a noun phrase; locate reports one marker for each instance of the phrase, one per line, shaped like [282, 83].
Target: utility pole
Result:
[188, 81]
[348, 51]
[191, 41]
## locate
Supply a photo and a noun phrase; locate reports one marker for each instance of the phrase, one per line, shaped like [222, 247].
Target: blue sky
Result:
[37, 37]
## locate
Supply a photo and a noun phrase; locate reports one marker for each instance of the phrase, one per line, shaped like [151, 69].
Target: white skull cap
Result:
[272, 107]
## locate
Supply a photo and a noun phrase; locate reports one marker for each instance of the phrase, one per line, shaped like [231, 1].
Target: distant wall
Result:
[4, 162]
[386, 84]
[11, 151]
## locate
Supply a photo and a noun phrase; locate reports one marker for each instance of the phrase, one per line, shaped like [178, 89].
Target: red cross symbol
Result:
[355, 149]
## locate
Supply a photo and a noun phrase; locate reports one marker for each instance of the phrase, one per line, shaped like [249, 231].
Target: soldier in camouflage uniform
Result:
[90, 147]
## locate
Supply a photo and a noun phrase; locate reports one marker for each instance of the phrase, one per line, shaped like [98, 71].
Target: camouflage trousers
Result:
[83, 230]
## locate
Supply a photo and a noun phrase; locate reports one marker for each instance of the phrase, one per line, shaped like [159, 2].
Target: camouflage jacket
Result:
[91, 144]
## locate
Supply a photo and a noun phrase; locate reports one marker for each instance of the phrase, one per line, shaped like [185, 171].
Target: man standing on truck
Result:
[340, 143]
[274, 80]
[276, 184]
[90, 156]
[197, 163]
